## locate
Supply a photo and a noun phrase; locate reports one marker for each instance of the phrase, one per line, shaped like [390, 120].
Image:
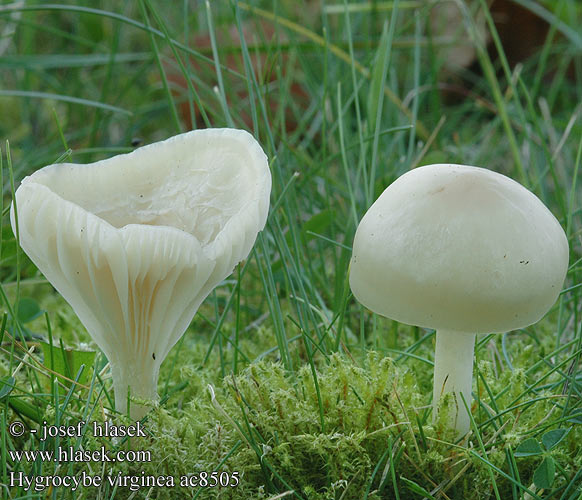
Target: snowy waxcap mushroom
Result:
[136, 242]
[463, 250]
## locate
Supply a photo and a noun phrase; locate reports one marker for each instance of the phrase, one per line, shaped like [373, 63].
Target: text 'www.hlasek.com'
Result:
[68, 451]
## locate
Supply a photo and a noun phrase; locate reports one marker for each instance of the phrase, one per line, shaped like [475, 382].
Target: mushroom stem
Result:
[139, 381]
[453, 372]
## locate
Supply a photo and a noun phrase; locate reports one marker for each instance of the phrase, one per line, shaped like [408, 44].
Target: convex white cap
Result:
[136, 242]
[459, 248]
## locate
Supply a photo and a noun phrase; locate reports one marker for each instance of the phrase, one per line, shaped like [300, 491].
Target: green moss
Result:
[266, 425]
[366, 419]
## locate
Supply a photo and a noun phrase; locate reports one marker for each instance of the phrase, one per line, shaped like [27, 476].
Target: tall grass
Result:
[344, 98]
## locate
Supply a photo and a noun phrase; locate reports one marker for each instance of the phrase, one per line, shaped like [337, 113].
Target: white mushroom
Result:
[136, 242]
[463, 250]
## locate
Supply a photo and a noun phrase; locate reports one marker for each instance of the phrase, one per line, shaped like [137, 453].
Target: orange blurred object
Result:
[270, 68]
[521, 32]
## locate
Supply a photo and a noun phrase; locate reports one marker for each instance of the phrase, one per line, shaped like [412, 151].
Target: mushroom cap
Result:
[459, 248]
[136, 242]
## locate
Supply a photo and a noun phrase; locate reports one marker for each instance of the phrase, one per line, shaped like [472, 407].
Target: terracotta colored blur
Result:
[259, 37]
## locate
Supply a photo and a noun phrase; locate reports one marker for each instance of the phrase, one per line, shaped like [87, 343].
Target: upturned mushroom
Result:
[136, 242]
[463, 250]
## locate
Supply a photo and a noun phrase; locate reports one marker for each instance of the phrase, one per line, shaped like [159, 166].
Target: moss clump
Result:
[361, 430]
[358, 428]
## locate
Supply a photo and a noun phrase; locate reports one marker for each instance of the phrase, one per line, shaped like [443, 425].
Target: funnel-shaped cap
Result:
[136, 242]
